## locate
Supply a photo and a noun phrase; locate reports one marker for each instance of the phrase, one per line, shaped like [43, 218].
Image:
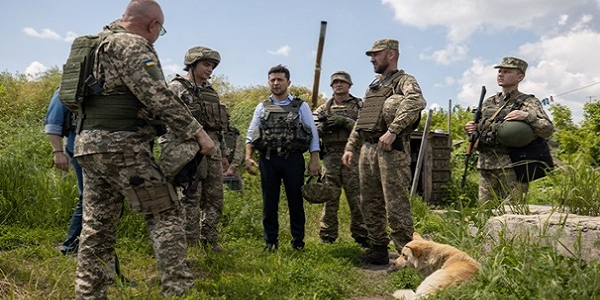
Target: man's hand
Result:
[313, 165]
[229, 171]
[336, 121]
[225, 163]
[347, 159]
[386, 140]
[516, 115]
[470, 127]
[61, 161]
[205, 142]
[251, 166]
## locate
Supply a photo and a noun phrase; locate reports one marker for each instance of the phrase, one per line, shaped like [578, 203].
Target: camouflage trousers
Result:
[339, 176]
[384, 186]
[204, 208]
[106, 177]
[501, 185]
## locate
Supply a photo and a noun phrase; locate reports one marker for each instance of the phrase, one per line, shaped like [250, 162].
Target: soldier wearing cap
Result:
[203, 203]
[335, 120]
[393, 104]
[497, 178]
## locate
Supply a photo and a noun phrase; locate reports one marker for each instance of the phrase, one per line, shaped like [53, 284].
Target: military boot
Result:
[376, 255]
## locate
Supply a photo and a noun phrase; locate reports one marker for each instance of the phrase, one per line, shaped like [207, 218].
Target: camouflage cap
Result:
[341, 75]
[383, 44]
[513, 63]
[195, 54]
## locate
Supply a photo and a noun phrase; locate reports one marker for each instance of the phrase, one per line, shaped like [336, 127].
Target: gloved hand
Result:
[336, 121]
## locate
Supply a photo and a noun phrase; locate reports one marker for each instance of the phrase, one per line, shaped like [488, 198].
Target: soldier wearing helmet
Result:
[510, 119]
[335, 120]
[203, 203]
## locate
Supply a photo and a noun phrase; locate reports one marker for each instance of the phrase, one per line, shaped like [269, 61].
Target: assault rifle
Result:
[473, 138]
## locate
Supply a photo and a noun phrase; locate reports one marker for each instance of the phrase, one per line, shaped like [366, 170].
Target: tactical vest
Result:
[281, 129]
[77, 81]
[339, 136]
[370, 123]
[489, 127]
[80, 91]
[206, 107]
[231, 137]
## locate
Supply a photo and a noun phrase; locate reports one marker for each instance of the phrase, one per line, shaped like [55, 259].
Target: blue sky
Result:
[450, 46]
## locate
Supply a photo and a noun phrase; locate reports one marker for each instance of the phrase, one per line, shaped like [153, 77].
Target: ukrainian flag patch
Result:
[149, 62]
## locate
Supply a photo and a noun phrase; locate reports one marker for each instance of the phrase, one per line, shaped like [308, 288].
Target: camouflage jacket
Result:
[337, 137]
[397, 115]
[127, 62]
[497, 158]
[193, 103]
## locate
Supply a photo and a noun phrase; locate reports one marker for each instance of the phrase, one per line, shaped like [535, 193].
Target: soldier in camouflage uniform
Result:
[497, 181]
[335, 120]
[203, 205]
[114, 150]
[235, 148]
[393, 104]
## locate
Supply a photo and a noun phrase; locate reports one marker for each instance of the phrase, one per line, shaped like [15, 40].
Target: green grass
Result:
[36, 202]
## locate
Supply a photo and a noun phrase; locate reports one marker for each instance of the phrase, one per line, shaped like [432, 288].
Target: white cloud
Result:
[171, 68]
[462, 18]
[562, 20]
[283, 51]
[47, 33]
[34, 70]
[70, 36]
[560, 66]
[452, 53]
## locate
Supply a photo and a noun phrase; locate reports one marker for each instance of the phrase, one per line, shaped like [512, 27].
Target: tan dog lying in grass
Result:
[441, 266]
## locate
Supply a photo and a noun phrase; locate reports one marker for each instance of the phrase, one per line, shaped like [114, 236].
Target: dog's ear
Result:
[416, 236]
[416, 252]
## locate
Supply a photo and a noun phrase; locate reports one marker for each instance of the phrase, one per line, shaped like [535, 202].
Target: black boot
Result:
[363, 242]
[377, 255]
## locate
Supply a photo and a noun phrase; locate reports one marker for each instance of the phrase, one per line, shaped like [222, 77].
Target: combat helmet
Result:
[198, 53]
[319, 192]
[175, 155]
[515, 134]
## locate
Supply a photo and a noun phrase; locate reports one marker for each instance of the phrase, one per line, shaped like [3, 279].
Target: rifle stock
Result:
[315, 91]
[473, 137]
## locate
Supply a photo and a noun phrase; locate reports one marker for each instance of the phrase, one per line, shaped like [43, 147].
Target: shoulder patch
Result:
[416, 87]
[149, 62]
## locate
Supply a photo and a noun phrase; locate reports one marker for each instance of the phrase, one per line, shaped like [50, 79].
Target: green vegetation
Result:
[36, 202]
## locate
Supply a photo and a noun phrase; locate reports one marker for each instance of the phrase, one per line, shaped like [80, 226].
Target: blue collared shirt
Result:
[306, 117]
[55, 117]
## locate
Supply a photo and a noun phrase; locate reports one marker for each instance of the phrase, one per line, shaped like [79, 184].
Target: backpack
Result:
[77, 79]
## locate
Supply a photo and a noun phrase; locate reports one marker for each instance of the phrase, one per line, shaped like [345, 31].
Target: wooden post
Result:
[422, 151]
[315, 91]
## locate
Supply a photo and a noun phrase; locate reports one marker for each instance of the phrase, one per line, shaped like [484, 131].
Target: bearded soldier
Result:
[393, 104]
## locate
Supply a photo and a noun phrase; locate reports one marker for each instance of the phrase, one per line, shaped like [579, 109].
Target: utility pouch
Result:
[152, 200]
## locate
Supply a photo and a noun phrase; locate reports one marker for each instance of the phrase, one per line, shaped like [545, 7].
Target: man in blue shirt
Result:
[59, 124]
[282, 128]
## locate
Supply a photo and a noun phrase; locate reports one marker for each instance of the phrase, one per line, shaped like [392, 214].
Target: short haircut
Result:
[280, 69]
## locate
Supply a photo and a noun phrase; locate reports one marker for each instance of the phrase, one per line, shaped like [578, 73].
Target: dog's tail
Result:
[404, 294]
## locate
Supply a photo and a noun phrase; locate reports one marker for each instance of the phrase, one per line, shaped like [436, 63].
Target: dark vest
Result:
[370, 123]
[206, 107]
[281, 129]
